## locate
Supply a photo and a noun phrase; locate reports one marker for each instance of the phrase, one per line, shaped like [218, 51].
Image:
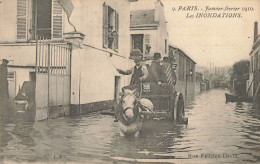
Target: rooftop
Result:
[142, 17]
[180, 50]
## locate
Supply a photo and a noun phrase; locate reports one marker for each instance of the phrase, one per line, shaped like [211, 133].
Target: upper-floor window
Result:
[141, 42]
[137, 42]
[110, 28]
[41, 18]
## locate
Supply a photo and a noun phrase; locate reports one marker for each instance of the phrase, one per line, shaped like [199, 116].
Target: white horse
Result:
[128, 113]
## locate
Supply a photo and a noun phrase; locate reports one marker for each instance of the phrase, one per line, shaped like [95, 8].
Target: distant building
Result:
[148, 28]
[201, 83]
[186, 68]
[253, 84]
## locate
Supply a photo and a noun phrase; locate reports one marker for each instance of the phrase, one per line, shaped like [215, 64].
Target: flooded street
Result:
[216, 132]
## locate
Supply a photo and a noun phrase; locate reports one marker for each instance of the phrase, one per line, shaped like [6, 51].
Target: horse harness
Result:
[121, 113]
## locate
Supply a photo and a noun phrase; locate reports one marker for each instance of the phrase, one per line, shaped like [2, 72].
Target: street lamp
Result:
[186, 88]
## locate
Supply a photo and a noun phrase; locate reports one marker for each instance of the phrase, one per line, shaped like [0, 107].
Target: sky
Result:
[221, 41]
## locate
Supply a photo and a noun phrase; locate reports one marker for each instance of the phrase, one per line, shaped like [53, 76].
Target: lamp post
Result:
[186, 88]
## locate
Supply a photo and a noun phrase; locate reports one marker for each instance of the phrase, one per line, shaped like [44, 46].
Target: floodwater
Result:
[217, 132]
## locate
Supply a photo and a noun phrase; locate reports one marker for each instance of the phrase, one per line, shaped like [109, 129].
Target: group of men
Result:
[160, 71]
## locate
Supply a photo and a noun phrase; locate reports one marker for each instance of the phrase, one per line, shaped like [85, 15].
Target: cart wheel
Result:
[178, 112]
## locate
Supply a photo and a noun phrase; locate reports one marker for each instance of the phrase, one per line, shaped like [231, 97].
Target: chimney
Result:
[255, 31]
[158, 9]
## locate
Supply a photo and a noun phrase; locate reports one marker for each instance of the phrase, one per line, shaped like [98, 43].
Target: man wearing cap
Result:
[3, 86]
[139, 72]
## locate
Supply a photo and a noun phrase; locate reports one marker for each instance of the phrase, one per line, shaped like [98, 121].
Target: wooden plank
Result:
[156, 96]
[157, 113]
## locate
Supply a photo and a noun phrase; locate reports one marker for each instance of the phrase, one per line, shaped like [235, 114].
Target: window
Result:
[137, 42]
[110, 28]
[44, 19]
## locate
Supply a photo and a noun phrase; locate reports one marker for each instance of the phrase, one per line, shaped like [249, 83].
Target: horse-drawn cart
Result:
[147, 101]
[167, 102]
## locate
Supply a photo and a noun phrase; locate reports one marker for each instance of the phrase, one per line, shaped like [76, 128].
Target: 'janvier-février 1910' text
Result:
[213, 11]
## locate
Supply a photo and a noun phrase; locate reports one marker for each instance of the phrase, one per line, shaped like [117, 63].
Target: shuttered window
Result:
[105, 25]
[110, 28]
[46, 19]
[117, 31]
[21, 19]
[56, 20]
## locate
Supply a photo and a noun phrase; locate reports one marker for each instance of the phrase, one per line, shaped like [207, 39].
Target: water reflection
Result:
[214, 128]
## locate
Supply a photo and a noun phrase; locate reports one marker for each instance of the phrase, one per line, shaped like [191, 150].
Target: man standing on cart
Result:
[139, 72]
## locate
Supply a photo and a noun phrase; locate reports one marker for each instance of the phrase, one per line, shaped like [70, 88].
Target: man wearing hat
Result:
[3, 86]
[139, 72]
[157, 72]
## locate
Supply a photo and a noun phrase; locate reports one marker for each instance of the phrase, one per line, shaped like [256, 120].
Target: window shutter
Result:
[117, 31]
[105, 25]
[146, 39]
[21, 19]
[56, 20]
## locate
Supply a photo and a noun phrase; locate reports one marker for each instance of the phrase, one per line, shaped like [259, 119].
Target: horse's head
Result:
[129, 104]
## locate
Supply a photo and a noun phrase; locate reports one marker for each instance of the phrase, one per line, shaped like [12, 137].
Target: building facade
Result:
[185, 72]
[35, 35]
[148, 28]
[253, 84]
